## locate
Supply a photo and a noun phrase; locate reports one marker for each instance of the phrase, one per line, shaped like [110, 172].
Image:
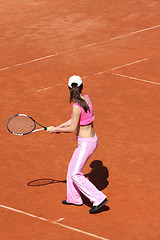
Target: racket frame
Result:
[33, 130]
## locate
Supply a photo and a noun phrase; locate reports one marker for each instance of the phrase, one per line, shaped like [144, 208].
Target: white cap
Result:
[74, 79]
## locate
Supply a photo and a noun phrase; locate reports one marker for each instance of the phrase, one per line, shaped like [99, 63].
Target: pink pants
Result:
[76, 182]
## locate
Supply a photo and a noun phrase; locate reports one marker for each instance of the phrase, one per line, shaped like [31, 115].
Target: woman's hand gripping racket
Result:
[22, 124]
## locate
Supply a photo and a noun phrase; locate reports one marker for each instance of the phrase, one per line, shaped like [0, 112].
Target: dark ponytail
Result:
[75, 92]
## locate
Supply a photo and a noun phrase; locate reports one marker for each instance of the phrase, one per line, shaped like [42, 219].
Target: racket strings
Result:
[21, 124]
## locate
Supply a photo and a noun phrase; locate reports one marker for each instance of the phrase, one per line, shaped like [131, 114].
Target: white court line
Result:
[92, 74]
[145, 29]
[98, 73]
[80, 231]
[31, 61]
[53, 222]
[28, 214]
[128, 64]
[43, 89]
[137, 79]
[86, 46]
[31, 93]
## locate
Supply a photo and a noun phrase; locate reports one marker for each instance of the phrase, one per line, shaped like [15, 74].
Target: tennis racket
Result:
[22, 124]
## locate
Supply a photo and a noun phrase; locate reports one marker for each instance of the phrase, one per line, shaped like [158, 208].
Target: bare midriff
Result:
[86, 131]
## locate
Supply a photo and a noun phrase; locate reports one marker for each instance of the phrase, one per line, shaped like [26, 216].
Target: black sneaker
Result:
[95, 209]
[66, 203]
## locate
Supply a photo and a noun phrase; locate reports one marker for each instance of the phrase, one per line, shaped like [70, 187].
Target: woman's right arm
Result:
[70, 126]
[65, 124]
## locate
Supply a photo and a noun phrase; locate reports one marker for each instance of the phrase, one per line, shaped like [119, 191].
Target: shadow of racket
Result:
[43, 182]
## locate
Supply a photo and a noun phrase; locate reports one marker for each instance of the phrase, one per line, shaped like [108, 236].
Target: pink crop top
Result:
[86, 118]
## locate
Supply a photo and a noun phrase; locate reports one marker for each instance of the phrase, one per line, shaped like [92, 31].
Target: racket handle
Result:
[45, 128]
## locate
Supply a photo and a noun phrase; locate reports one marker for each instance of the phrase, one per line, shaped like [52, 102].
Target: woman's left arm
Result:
[73, 126]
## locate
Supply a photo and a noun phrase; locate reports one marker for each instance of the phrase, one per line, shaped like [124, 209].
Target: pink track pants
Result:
[76, 182]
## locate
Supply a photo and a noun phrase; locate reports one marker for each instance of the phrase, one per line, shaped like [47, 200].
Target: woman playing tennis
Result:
[81, 122]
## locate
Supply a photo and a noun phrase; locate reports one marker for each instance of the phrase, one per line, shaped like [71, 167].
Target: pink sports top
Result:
[86, 118]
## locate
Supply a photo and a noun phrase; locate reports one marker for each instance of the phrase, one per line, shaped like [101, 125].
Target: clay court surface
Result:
[114, 47]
